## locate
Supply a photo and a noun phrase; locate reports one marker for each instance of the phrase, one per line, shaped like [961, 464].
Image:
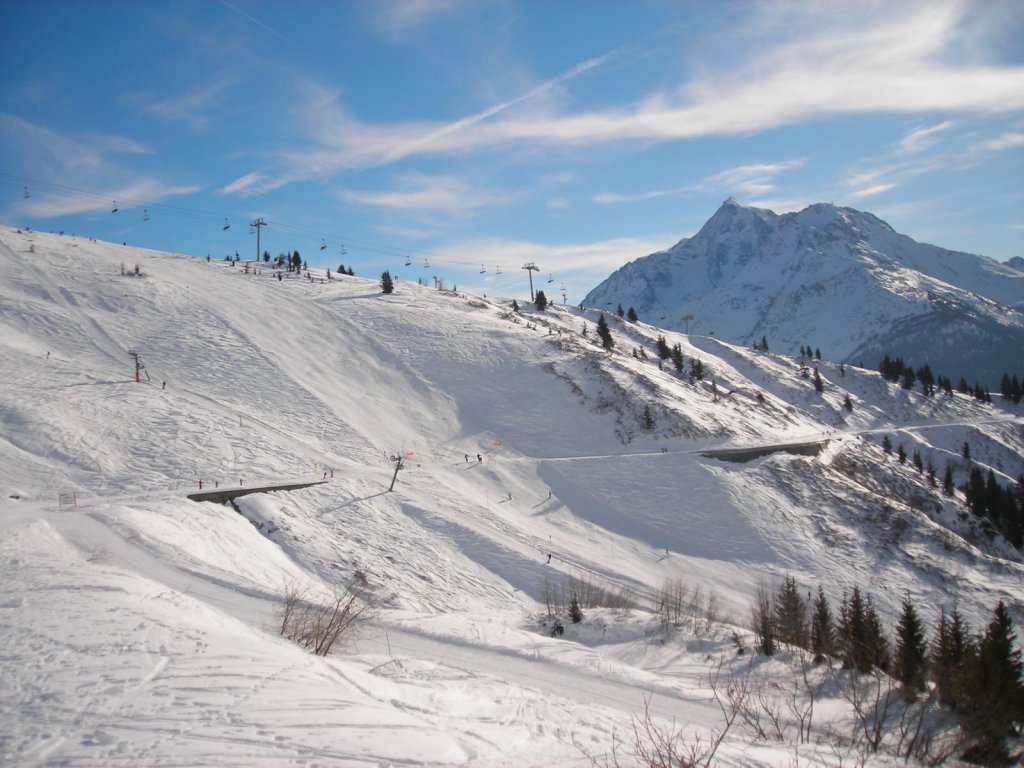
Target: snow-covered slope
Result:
[138, 627]
[835, 279]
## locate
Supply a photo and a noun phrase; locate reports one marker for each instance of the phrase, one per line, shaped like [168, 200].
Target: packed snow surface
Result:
[138, 627]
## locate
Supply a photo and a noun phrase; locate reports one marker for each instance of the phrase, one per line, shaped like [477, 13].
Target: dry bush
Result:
[318, 624]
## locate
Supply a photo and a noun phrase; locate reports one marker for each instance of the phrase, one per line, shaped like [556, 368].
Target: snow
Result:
[140, 628]
[837, 279]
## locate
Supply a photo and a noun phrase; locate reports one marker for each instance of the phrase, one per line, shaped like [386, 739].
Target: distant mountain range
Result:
[835, 279]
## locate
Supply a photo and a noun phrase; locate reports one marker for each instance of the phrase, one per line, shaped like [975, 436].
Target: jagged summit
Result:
[835, 277]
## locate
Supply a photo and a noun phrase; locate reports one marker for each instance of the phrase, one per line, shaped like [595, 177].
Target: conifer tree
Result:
[541, 301]
[886, 444]
[648, 419]
[918, 463]
[819, 385]
[947, 481]
[901, 454]
[909, 660]
[848, 403]
[823, 639]
[631, 315]
[791, 614]
[677, 357]
[663, 349]
[575, 612]
[620, 311]
[605, 334]
[387, 285]
[995, 700]
[861, 640]
[951, 658]
[515, 305]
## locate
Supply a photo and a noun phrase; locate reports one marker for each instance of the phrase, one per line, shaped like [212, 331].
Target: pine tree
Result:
[886, 444]
[947, 481]
[848, 403]
[823, 640]
[901, 454]
[631, 315]
[996, 693]
[515, 305]
[620, 311]
[663, 349]
[677, 357]
[951, 658]
[918, 463]
[541, 301]
[575, 612]
[909, 661]
[605, 335]
[819, 385]
[791, 614]
[387, 285]
[862, 642]
[647, 420]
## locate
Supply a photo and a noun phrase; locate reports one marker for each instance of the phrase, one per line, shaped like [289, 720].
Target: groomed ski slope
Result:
[140, 628]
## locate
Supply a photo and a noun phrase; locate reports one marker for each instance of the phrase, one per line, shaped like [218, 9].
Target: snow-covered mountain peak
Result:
[841, 277]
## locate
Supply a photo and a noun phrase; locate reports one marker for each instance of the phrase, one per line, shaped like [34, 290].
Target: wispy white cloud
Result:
[397, 18]
[192, 108]
[49, 203]
[80, 173]
[921, 139]
[803, 62]
[876, 189]
[253, 183]
[435, 194]
[601, 256]
[752, 180]
[1006, 141]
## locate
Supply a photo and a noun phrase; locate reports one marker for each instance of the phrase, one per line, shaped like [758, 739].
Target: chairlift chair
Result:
[226, 226]
[145, 215]
[114, 209]
[252, 229]
[426, 264]
[551, 278]
[497, 270]
[343, 251]
[26, 195]
[323, 245]
[482, 269]
[408, 261]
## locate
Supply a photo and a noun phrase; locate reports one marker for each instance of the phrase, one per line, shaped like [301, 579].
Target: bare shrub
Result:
[659, 746]
[557, 596]
[317, 624]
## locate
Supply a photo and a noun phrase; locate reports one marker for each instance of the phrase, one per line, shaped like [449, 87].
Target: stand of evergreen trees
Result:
[979, 677]
[896, 371]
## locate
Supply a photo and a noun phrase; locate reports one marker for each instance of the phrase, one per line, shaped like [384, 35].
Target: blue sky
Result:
[465, 135]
